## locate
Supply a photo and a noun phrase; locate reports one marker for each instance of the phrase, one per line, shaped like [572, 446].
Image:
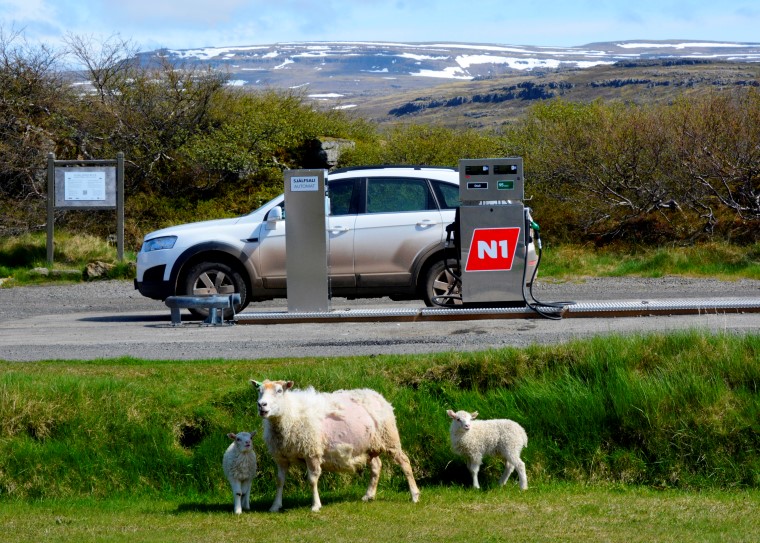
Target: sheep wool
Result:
[476, 439]
[239, 465]
[337, 431]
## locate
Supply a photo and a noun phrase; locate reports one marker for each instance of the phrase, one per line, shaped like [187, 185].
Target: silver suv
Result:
[387, 231]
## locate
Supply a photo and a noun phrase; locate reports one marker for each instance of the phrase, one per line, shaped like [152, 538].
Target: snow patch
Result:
[451, 72]
[207, 53]
[284, 64]
[684, 45]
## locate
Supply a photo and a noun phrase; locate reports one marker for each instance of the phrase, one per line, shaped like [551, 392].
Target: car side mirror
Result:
[274, 215]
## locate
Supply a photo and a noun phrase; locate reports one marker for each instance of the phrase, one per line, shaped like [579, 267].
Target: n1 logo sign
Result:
[492, 249]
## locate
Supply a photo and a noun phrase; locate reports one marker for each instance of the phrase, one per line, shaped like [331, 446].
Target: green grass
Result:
[545, 513]
[640, 438]
[21, 257]
[715, 260]
[664, 411]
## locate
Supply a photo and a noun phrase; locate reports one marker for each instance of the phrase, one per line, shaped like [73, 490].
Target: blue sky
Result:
[184, 24]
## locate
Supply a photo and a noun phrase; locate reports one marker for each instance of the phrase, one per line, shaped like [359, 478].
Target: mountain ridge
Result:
[388, 81]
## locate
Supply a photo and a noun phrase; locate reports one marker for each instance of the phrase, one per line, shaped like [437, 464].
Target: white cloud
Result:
[23, 11]
[186, 24]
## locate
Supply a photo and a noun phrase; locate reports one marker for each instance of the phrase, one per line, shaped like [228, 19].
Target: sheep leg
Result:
[509, 467]
[402, 460]
[520, 465]
[314, 470]
[246, 488]
[236, 497]
[474, 467]
[375, 465]
[282, 472]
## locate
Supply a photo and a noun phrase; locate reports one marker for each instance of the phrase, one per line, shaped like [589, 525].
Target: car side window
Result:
[391, 195]
[447, 194]
[341, 195]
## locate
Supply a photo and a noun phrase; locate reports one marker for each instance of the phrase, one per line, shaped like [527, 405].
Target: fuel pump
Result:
[493, 238]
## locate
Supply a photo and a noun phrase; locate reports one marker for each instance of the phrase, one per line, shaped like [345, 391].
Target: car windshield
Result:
[265, 206]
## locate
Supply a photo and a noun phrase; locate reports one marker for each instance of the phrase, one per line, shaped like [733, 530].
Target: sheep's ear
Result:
[232, 436]
[288, 384]
[256, 384]
[451, 414]
[474, 414]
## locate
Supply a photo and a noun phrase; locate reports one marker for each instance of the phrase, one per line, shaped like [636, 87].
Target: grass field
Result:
[641, 438]
[544, 513]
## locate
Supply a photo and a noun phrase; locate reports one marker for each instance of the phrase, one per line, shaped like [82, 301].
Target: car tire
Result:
[206, 278]
[442, 287]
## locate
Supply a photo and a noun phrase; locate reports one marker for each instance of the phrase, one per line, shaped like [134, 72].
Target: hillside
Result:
[475, 85]
[493, 101]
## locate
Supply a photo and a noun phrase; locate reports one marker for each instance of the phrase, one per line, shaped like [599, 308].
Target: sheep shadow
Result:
[263, 503]
[257, 506]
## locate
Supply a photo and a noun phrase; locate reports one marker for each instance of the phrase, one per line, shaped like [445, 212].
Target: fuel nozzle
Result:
[537, 230]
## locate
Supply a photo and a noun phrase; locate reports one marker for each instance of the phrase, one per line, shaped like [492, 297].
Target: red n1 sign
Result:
[492, 249]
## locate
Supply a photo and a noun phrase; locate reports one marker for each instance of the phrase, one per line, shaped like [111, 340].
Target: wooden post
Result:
[120, 205]
[50, 207]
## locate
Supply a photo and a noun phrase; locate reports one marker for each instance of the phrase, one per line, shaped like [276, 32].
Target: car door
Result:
[340, 230]
[400, 220]
[343, 196]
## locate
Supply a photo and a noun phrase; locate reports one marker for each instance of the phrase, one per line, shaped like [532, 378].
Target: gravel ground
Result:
[109, 318]
[121, 297]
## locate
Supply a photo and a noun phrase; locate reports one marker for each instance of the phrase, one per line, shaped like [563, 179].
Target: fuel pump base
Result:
[493, 255]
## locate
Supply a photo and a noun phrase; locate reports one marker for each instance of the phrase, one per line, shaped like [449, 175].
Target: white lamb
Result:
[337, 431]
[475, 439]
[239, 465]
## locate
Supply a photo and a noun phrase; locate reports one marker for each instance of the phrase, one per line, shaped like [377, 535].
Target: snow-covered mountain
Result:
[259, 64]
[345, 74]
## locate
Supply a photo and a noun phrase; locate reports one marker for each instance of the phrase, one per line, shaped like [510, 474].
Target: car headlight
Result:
[157, 244]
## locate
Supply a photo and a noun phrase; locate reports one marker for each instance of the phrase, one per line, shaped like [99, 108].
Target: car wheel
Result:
[442, 288]
[207, 278]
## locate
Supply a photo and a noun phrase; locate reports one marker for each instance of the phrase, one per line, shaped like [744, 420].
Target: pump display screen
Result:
[505, 169]
[491, 179]
[480, 169]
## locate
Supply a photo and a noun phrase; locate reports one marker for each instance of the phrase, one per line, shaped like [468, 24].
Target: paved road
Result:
[110, 319]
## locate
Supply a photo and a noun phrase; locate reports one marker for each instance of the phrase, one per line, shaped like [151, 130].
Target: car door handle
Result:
[338, 229]
[427, 222]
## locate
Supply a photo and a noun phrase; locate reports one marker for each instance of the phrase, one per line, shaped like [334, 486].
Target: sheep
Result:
[475, 439]
[335, 431]
[239, 464]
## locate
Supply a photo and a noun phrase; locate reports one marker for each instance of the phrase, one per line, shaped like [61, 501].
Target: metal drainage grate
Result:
[581, 309]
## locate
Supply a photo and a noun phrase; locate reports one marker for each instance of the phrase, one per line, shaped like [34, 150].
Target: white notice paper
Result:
[80, 185]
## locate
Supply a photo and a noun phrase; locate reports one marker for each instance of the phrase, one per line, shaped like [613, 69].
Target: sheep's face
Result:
[271, 395]
[243, 441]
[462, 420]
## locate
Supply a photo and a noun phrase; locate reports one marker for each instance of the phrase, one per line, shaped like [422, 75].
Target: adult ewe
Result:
[239, 464]
[475, 439]
[337, 431]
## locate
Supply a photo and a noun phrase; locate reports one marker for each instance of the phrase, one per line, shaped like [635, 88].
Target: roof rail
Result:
[382, 166]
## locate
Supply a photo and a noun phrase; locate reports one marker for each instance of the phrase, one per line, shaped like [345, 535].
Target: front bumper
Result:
[153, 284]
